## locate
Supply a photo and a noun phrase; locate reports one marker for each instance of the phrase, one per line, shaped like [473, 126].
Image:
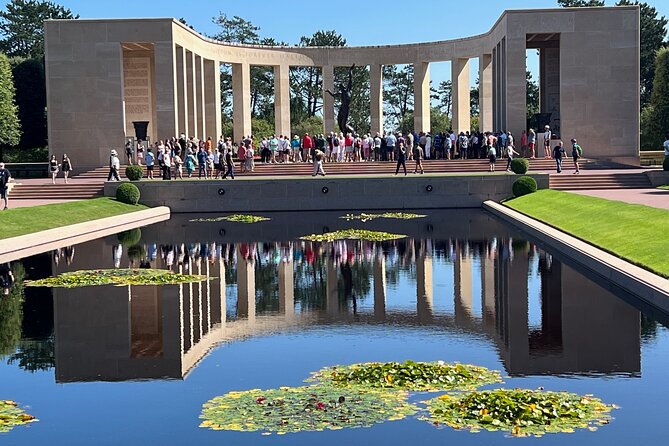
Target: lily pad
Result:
[299, 409]
[370, 216]
[409, 375]
[519, 412]
[11, 416]
[236, 218]
[353, 234]
[115, 277]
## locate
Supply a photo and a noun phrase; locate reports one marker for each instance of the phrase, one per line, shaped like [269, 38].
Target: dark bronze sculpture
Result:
[344, 96]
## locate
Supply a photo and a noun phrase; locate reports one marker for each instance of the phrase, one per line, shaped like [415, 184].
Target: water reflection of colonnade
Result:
[155, 332]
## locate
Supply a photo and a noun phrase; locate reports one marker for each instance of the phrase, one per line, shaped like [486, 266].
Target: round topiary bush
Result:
[665, 164]
[520, 166]
[523, 186]
[130, 238]
[134, 173]
[127, 193]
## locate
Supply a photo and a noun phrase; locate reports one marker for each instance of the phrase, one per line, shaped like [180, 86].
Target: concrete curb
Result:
[647, 286]
[36, 243]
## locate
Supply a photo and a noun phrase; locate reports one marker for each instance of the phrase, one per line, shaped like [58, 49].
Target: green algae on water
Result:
[236, 218]
[353, 234]
[115, 277]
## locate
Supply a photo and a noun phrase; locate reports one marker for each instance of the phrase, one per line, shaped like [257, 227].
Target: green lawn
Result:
[666, 186]
[20, 221]
[632, 232]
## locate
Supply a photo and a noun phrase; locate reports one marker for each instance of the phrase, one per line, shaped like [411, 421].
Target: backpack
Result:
[579, 150]
[335, 142]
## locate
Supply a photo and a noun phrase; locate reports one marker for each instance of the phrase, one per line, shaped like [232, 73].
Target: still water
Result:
[133, 365]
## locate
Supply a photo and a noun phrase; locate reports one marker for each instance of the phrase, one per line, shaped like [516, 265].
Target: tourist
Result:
[532, 143]
[250, 162]
[5, 177]
[114, 166]
[348, 148]
[202, 163]
[285, 148]
[576, 153]
[297, 149]
[210, 161]
[150, 162]
[448, 146]
[357, 148]
[510, 151]
[53, 168]
[547, 141]
[523, 143]
[438, 145]
[666, 145]
[190, 163]
[6, 278]
[558, 153]
[230, 165]
[178, 165]
[492, 157]
[273, 145]
[401, 159]
[128, 151]
[463, 145]
[241, 154]
[367, 143]
[318, 163]
[428, 146]
[218, 164]
[391, 140]
[376, 156]
[66, 165]
[418, 156]
[307, 147]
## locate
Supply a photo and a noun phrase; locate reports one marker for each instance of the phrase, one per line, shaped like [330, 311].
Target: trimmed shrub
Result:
[520, 166]
[130, 237]
[128, 193]
[665, 164]
[523, 186]
[134, 173]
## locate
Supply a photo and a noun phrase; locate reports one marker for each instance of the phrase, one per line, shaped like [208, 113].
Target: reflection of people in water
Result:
[6, 278]
[117, 252]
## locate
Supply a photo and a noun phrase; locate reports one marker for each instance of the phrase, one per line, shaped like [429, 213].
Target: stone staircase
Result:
[591, 181]
[60, 191]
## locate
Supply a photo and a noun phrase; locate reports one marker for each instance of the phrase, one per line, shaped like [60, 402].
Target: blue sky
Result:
[372, 22]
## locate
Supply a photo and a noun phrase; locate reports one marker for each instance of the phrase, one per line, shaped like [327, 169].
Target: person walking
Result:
[190, 163]
[150, 162]
[318, 163]
[5, 177]
[532, 143]
[178, 166]
[418, 155]
[128, 151]
[53, 168]
[547, 141]
[510, 151]
[558, 153]
[114, 166]
[66, 165]
[229, 164]
[492, 157]
[401, 158]
[576, 153]
[202, 163]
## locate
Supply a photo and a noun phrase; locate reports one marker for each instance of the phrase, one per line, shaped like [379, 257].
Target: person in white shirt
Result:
[114, 166]
[666, 145]
[452, 144]
[547, 142]
[428, 145]
[377, 147]
[167, 165]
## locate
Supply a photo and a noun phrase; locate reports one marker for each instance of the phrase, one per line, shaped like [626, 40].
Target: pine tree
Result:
[10, 128]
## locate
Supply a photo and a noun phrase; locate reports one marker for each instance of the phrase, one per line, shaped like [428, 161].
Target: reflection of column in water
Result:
[331, 278]
[181, 312]
[380, 288]
[221, 289]
[197, 311]
[286, 287]
[424, 294]
[246, 287]
[463, 286]
[488, 291]
[206, 313]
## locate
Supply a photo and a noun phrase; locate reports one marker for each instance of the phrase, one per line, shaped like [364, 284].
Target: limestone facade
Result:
[104, 74]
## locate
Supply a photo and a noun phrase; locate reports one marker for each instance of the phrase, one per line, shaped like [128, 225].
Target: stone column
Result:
[286, 288]
[485, 93]
[191, 93]
[165, 90]
[212, 98]
[328, 101]
[516, 84]
[201, 101]
[380, 289]
[461, 95]
[463, 286]
[282, 100]
[376, 97]
[424, 294]
[421, 94]
[241, 100]
[495, 89]
[246, 287]
[182, 97]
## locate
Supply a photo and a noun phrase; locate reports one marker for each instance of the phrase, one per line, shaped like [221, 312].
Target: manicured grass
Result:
[632, 232]
[21, 221]
[666, 187]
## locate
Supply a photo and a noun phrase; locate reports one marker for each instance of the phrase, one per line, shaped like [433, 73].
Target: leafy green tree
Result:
[260, 128]
[656, 116]
[22, 26]
[532, 95]
[30, 86]
[11, 312]
[580, 3]
[312, 125]
[10, 127]
[236, 30]
[398, 92]
[444, 95]
[359, 117]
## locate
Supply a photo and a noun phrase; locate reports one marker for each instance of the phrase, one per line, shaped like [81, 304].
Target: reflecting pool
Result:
[135, 364]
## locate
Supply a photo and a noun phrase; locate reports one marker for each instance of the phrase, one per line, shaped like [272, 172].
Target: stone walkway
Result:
[650, 197]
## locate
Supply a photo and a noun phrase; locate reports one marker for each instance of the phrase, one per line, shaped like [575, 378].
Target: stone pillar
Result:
[376, 97]
[241, 100]
[421, 94]
[201, 101]
[461, 95]
[516, 84]
[424, 293]
[212, 84]
[182, 97]
[485, 93]
[246, 287]
[495, 89]
[463, 286]
[328, 101]
[549, 75]
[286, 288]
[191, 93]
[282, 100]
[380, 289]
[165, 112]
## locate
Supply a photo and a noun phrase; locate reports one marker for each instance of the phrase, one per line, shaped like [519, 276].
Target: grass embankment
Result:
[665, 187]
[632, 232]
[21, 221]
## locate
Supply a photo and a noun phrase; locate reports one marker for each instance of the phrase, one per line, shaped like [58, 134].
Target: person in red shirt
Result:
[348, 147]
[307, 147]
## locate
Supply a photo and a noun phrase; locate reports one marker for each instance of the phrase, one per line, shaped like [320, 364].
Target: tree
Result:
[398, 92]
[657, 124]
[359, 117]
[532, 96]
[236, 30]
[30, 86]
[22, 26]
[10, 128]
[580, 3]
[444, 94]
